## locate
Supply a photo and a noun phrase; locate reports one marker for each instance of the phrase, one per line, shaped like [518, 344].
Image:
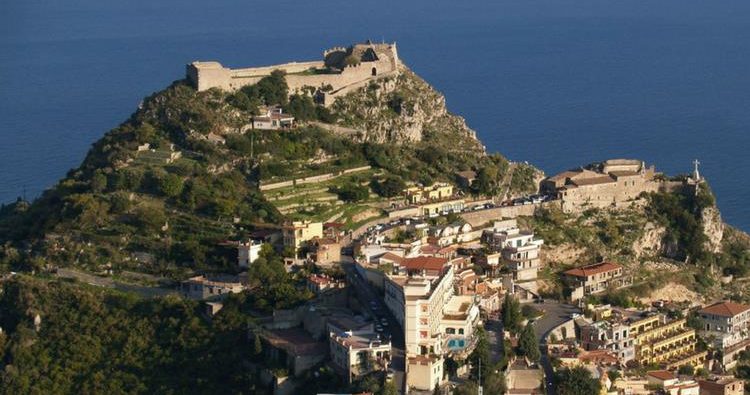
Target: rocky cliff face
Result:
[404, 109]
[713, 228]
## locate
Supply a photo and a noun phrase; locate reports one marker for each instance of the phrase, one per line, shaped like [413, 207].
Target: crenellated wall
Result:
[315, 74]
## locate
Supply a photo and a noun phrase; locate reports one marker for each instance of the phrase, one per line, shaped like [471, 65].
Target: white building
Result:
[727, 322]
[435, 321]
[520, 250]
[356, 353]
[248, 252]
[272, 118]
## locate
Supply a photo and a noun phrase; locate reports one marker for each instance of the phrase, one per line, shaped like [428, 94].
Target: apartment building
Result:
[434, 192]
[722, 385]
[609, 335]
[519, 249]
[672, 344]
[436, 322]
[595, 278]
[248, 252]
[299, 232]
[356, 353]
[727, 322]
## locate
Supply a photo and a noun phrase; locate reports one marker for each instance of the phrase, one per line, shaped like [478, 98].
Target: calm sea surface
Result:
[555, 82]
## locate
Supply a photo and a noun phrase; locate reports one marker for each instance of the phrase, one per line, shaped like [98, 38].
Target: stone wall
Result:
[481, 217]
[312, 179]
[207, 75]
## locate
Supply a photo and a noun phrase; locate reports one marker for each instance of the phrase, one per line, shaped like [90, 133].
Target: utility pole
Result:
[252, 144]
[480, 390]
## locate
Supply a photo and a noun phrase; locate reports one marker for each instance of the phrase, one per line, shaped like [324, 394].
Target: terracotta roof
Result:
[594, 181]
[661, 375]
[319, 279]
[725, 309]
[598, 356]
[424, 263]
[590, 270]
[429, 249]
[392, 257]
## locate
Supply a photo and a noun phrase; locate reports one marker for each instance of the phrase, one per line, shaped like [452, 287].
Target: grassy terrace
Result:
[314, 201]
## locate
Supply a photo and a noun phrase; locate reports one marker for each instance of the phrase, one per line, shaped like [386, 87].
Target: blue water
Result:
[554, 82]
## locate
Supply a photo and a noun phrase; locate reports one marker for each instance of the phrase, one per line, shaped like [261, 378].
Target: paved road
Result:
[107, 282]
[369, 297]
[495, 336]
[554, 314]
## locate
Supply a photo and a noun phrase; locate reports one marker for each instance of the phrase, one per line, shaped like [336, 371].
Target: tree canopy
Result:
[576, 381]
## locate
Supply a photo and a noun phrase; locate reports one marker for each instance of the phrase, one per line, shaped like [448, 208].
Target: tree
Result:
[145, 133]
[576, 381]
[273, 88]
[389, 388]
[466, 388]
[528, 344]
[352, 192]
[613, 375]
[511, 314]
[170, 185]
[302, 107]
[98, 182]
[687, 370]
[481, 353]
[390, 186]
[494, 383]
[486, 181]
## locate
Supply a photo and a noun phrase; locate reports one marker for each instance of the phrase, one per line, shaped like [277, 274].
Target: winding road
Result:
[555, 313]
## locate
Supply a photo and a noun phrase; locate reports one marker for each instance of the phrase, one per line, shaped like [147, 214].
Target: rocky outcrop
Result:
[566, 254]
[713, 228]
[404, 109]
[652, 242]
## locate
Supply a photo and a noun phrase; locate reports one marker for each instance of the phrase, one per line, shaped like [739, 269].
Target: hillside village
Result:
[386, 259]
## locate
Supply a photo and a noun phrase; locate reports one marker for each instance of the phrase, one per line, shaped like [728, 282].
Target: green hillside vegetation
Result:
[182, 195]
[93, 341]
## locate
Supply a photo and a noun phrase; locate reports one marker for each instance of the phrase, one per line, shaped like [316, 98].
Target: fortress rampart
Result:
[331, 77]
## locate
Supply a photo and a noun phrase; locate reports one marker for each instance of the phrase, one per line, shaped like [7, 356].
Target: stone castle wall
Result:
[618, 194]
[207, 75]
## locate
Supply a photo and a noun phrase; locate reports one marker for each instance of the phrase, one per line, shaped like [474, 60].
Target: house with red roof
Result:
[595, 278]
[728, 323]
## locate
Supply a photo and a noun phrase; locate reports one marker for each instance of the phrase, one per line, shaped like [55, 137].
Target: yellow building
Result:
[672, 344]
[445, 206]
[301, 231]
[435, 192]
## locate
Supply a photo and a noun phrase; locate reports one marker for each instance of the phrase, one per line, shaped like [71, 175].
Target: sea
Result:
[557, 83]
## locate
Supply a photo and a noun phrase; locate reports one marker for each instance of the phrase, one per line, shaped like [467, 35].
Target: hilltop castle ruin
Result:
[341, 70]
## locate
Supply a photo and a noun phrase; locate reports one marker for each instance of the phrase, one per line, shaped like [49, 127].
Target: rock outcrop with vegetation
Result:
[404, 109]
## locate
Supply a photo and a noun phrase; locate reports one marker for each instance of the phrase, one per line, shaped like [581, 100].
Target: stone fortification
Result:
[341, 71]
[613, 183]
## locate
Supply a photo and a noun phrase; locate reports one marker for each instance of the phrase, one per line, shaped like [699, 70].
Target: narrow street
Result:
[366, 296]
[555, 313]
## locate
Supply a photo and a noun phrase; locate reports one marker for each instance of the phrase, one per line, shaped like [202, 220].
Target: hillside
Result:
[182, 175]
[674, 246]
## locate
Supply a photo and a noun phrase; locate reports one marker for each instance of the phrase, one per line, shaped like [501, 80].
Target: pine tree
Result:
[511, 313]
[528, 344]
